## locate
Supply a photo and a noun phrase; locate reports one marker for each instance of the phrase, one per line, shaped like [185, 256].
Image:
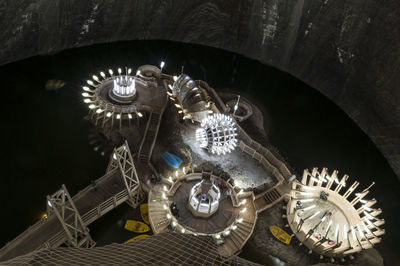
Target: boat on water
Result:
[172, 159]
[136, 226]
[144, 212]
[280, 234]
[136, 238]
[54, 84]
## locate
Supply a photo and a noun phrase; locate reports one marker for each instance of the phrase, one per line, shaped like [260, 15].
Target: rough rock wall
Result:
[348, 50]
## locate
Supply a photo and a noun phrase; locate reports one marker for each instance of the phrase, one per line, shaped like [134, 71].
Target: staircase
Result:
[235, 241]
[157, 215]
[150, 136]
[272, 195]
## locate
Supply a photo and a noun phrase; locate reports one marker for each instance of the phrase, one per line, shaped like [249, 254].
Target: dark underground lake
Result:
[46, 140]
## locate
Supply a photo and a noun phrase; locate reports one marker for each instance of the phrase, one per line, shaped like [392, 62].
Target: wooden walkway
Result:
[148, 142]
[92, 203]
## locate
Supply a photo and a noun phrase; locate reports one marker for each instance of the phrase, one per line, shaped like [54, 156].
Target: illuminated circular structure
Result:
[217, 134]
[327, 218]
[112, 96]
[204, 198]
[228, 216]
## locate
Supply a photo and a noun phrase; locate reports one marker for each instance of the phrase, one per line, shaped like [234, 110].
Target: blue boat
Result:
[171, 159]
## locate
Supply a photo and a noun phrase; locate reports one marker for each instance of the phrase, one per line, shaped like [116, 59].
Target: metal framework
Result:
[122, 159]
[62, 205]
[163, 249]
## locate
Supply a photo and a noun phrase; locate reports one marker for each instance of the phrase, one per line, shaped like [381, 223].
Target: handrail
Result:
[266, 164]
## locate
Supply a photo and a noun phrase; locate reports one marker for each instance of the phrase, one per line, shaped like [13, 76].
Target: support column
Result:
[62, 205]
[122, 159]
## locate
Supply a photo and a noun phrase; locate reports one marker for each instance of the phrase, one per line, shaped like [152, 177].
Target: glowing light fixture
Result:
[309, 207]
[315, 214]
[217, 134]
[124, 86]
[306, 200]
[337, 231]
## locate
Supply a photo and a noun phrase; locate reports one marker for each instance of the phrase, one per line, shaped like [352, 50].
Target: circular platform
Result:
[224, 216]
[329, 218]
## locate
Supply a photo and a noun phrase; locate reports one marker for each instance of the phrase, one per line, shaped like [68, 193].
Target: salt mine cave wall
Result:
[348, 50]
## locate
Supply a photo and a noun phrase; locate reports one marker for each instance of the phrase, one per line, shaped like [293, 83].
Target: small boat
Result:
[136, 238]
[136, 226]
[54, 85]
[171, 159]
[280, 234]
[144, 212]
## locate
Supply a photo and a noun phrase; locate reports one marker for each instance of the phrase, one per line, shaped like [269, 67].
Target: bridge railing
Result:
[20, 237]
[90, 217]
[104, 207]
[269, 156]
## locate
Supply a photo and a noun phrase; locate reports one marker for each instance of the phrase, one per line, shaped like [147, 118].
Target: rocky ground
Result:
[178, 137]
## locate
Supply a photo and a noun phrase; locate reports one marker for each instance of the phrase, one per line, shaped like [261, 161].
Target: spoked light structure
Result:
[217, 134]
[330, 218]
[111, 96]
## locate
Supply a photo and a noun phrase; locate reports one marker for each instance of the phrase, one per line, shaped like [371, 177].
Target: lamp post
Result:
[236, 105]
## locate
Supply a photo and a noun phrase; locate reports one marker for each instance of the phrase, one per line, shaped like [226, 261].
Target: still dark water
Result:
[45, 139]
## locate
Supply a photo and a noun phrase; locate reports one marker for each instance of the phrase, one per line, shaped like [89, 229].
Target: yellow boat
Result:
[144, 212]
[136, 226]
[280, 234]
[136, 238]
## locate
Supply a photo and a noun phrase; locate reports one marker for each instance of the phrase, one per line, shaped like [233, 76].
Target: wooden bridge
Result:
[68, 217]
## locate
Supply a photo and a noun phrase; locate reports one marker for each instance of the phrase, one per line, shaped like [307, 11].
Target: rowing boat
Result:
[136, 226]
[280, 234]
